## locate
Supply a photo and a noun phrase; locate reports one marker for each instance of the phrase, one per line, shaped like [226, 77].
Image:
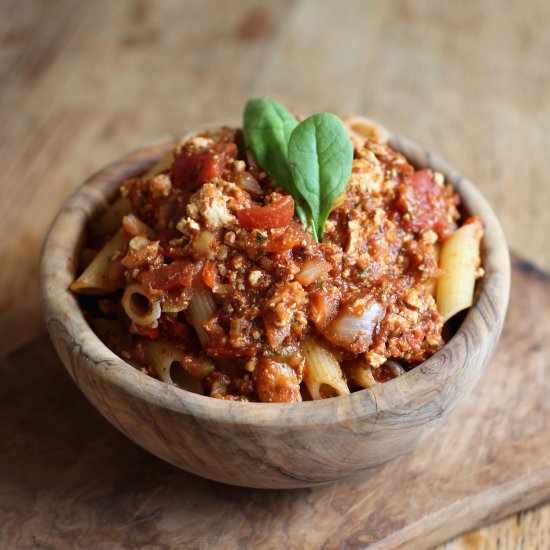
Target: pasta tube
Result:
[363, 128]
[362, 375]
[431, 284]
[459, 262]
[111, 219]
[163, 164]
[201, 308]
[139, 307]
[169, 364]
[95, 278]
[322, 375]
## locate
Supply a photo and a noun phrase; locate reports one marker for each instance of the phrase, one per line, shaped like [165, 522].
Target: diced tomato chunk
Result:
[179, 331]
[471, 219]
[276, 382]
[426, 203]
[191, 170]
[168, 276]
[148, 332]
[324, 305]
[277, 214]
[209, 274]
[223, 350]
[293, 236]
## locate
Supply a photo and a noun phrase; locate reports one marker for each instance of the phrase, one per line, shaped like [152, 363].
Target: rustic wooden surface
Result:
[69, 480]
[85, 81]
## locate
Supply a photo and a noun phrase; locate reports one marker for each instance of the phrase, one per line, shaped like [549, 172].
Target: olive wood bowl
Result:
[268, 445]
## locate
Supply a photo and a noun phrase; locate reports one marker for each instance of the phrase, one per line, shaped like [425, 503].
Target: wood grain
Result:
[69, 480]
[83, 81]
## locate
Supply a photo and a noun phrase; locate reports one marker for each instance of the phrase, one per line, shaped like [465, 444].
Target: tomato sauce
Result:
[217, 221]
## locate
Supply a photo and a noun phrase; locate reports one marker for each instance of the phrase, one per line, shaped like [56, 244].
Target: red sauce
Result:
[217, 221]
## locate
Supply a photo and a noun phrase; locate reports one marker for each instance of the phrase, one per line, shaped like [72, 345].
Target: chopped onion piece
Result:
[353, 331]
[246, 181]
[203, 244]
[311, 271]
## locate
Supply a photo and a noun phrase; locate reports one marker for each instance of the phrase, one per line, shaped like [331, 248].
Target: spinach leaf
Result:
[267, 129]
[320, 155]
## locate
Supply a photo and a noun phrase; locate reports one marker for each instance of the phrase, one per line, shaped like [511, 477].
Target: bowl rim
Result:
[70, 331]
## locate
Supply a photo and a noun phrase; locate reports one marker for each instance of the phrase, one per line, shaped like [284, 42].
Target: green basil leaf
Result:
[320, 154]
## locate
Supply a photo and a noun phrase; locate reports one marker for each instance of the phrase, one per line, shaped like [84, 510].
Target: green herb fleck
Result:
[261, 237]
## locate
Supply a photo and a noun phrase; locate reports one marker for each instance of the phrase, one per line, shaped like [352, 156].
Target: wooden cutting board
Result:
[70, 480]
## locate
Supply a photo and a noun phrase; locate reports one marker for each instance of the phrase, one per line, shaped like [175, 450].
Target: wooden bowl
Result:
[259, 444]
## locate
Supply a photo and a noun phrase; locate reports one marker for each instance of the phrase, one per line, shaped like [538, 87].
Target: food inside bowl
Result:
[286, 261]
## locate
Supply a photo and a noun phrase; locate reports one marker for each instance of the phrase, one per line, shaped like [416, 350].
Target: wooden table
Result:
[82, 82]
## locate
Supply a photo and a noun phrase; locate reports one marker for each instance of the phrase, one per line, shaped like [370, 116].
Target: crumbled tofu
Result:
[137, 243]
[193, 210]
[188, 226]
[375, 359]
[161, 185]
[429, 237]
[254, 277]
[250, 365]
[330, 226]
[211, 205]
[201, 142]
[439, 179]
[413, 299]
[367, 174]
[240, 165]
[355, 237]
[379, 217]
[229, 238]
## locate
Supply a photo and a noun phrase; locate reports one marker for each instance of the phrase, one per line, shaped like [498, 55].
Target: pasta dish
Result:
[214, 273]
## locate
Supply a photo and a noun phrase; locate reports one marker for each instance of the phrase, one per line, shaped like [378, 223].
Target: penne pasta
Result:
[161, 356]
[431, 284]
[361, 375]
[95, 278]
[111, 219]
[201, 308]
[139, 307]
[163, 164]
[203, 244]
[135, 227]
[169, 363]
[459, 262]
[365, 376]
[87, 256]
[362, 128]
[322, 374]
